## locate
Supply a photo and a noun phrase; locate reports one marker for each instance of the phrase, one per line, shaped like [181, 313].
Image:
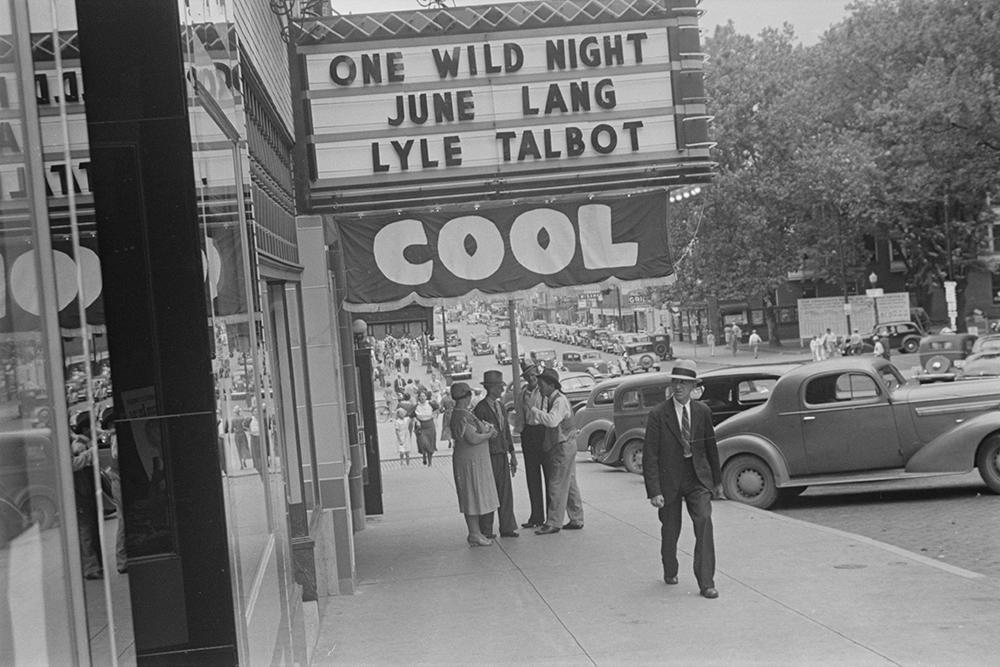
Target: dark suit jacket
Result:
[663, 454]
[502, 442]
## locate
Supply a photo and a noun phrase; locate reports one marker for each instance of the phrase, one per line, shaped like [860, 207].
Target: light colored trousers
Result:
[564, 495]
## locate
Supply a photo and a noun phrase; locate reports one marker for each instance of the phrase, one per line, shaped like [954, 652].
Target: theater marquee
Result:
[531, 99]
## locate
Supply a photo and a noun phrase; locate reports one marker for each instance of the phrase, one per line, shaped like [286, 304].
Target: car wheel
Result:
[747, 479]
[595, 442]
[988, 462]
[632, 456]
[910, 345]
[646, 361]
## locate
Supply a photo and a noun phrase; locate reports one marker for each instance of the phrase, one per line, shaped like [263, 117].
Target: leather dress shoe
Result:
[573, 526]
[530, 524]
[670, 580]
[709, 593]
[547, 530]
[512, 533]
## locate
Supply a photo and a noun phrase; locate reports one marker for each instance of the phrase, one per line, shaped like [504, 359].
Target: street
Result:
[951, 519]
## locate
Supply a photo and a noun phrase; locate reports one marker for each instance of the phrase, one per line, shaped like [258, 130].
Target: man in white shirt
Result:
[680, 461]
[532, 435]
[560, 456]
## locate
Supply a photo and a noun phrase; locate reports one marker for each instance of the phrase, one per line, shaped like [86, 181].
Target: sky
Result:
[810, 18]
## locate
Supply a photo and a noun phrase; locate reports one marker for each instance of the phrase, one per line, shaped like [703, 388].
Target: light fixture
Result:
[360, 329]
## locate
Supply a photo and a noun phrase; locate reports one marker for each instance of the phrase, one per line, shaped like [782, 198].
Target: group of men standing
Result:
[680, 463]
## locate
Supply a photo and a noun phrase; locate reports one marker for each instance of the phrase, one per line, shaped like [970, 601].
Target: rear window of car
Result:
[756, 390]
[575, 383]
[571, 356]
[840, 388]
[605, 397]
[630, 399]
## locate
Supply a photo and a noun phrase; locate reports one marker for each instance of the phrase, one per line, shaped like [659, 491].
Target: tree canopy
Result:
[887, 128]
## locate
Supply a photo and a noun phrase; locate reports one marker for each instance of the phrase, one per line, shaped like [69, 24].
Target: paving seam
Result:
[899, 551]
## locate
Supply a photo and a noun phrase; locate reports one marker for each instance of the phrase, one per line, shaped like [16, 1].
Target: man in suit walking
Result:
[680, 460]
[492, 411]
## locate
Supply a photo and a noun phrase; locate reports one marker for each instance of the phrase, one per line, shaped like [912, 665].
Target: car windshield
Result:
[990, 345]
[640, 349]
[891, 378]
[545, 355]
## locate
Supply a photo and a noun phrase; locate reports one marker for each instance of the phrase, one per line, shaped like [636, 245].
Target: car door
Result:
[847, 424]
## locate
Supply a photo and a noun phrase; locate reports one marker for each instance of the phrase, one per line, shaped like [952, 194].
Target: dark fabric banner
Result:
[502, 249]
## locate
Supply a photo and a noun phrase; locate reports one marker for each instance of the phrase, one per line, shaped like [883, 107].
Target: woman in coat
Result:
[473, 470]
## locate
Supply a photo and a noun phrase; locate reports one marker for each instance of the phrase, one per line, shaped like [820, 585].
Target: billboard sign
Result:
[503, 103]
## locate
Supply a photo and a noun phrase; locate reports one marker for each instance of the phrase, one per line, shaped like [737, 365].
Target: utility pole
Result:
[843, 272]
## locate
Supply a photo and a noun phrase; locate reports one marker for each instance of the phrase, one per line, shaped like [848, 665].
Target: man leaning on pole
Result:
[559, 450]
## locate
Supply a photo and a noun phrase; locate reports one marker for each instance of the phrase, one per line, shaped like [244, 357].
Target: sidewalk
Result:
[791, 593]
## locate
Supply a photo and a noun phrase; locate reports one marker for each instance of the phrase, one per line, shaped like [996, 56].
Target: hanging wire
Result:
[81, 303]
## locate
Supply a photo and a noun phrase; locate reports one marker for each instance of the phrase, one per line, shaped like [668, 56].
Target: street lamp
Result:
[873, 279]
[360, 329]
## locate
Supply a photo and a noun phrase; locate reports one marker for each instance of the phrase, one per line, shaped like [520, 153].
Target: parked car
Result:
[902, 336]
[854, 419]
[726, 391]
[492, 329]
[461, 369]
[661, 346]
[641, 357]
[545, 358]
[596, 417]
[942, 356]
[584, 362]
[984, 360]
[481, 346]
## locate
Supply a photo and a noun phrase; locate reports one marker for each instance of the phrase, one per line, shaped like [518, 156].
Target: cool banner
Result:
[394, 259]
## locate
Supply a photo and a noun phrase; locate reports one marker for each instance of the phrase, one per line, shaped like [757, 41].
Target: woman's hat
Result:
[460, 390]
[493, 378]
[684, 369]
[552, 376]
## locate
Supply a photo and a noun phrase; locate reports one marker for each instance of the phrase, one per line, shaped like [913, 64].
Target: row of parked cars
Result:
[783, 428]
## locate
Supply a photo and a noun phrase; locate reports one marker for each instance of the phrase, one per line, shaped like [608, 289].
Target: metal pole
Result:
[618, 293]
[515, 385]
[947, 237]
[444, 326]
[843, 272]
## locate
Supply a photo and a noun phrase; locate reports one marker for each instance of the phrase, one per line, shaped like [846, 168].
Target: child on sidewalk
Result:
[404, 431]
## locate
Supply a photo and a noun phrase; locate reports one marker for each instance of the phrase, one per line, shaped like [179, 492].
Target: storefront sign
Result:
[394, 258]
[552, 99]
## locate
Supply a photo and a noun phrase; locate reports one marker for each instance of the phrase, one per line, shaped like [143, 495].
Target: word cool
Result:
[472, 247]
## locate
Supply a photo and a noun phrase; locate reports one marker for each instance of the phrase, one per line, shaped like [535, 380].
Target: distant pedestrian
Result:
[881, 348]
[857, 344]
[755, 342]
[829, 344]
[736, 334]
[404, 431]
[815, 346]
[424, 414]
[710, 339]
[406, 358]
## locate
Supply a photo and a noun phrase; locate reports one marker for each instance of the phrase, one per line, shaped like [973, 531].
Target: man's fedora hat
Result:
[527, 366]
[684, 369]
[552, 376]
[492, 378]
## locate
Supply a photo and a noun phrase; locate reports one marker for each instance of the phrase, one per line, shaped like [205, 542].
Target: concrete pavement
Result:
[791, 593]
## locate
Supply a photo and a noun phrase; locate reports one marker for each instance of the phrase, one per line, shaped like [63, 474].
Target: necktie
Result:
[686, 431]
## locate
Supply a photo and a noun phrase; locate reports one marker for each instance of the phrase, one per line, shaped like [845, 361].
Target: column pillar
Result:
[334, 531]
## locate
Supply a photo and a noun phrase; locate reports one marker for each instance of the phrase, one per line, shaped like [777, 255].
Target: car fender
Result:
[749, 443]
[583, 435]
[613, 456]
[955, 450]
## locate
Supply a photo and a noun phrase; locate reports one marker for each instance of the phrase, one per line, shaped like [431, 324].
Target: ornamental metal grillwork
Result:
[308, 30]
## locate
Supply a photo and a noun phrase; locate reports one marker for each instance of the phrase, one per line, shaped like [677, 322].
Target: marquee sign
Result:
[395, 258]
[533, 98]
